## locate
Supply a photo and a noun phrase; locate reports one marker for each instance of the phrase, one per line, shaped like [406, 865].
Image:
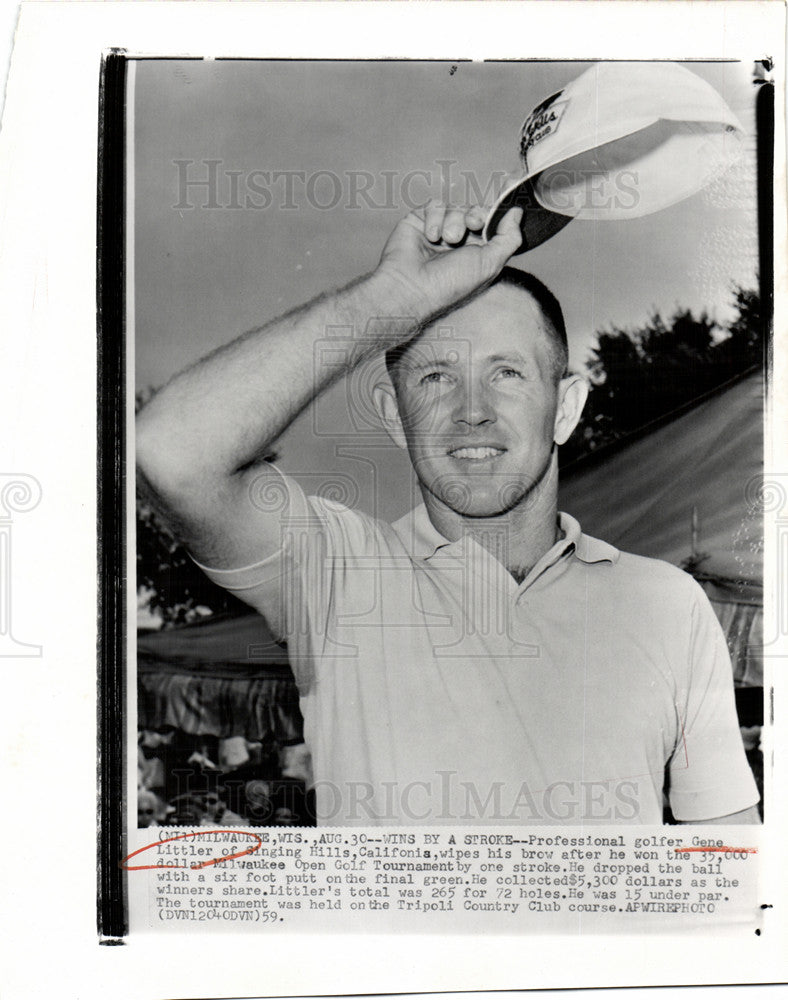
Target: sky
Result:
[314, 163]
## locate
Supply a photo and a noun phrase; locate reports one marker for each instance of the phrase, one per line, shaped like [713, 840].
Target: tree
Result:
[170, 584]
[642, 374]
[745, 345]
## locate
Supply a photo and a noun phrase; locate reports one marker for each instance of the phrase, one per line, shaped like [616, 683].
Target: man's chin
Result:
[482, 511]
[467, 499]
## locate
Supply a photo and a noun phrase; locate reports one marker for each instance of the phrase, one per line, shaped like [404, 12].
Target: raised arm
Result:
[204, 436]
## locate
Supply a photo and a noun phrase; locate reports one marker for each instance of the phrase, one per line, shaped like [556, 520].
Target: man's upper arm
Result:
[246, 520]
[239, 537]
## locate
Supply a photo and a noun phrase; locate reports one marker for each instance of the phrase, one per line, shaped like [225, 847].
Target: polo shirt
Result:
[436, 690]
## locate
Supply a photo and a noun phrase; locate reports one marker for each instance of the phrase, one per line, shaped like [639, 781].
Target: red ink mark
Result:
[726, 850]
[200, 864]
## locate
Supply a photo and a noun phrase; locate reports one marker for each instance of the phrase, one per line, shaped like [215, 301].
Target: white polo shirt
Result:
[436, 690]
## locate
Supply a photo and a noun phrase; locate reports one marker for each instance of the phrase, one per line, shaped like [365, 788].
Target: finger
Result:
[454, 225]
[433, 220]
[415, 218]
[507, 238]
[475, 218]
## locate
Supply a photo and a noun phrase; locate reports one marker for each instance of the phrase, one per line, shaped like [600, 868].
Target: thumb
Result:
[507, 239]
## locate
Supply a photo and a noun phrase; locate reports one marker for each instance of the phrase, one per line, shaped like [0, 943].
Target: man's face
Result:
[478, 402]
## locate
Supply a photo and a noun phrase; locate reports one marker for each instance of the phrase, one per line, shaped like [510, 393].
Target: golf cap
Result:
[621, 141]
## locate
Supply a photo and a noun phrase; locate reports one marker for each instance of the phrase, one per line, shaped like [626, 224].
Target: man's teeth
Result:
[476, 452]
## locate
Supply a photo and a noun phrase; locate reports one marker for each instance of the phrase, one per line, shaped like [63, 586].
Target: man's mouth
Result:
[476, 454]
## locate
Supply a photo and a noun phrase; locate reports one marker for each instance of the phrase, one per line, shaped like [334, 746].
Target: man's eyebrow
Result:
[435, 363]
[514, 356]
[421, 365]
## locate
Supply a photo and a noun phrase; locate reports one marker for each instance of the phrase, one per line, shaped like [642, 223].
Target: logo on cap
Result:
[542, 121]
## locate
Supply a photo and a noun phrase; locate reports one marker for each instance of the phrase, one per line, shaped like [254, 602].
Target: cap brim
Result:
[538, 224]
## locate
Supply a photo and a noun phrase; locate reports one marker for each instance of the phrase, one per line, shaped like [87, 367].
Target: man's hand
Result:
[437, 260]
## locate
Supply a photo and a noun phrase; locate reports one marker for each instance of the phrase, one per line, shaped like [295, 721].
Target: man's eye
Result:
[433, 377]
[509, 373]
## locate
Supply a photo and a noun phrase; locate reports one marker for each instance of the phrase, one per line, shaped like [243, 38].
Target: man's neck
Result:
[522, 561]
[517, 538]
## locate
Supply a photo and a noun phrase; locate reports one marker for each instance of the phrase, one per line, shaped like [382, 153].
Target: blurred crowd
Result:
[185, 780]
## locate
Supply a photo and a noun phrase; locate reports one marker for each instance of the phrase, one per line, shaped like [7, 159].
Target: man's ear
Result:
[384, 398]
[572, 395]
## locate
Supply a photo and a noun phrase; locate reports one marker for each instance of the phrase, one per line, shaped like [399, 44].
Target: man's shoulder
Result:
[352, 528]
[647, 572]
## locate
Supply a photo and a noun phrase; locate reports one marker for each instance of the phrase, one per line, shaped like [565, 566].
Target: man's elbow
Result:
[164, 468]
[149, 450]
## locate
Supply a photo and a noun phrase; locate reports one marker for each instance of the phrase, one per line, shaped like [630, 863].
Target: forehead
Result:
[504, 321]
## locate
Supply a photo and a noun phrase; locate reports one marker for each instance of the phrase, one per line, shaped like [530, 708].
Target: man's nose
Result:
[474, 408]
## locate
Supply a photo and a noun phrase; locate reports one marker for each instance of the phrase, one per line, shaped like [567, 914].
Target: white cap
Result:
[621, 141]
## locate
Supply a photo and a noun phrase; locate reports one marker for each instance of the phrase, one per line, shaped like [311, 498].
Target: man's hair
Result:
[549, 306]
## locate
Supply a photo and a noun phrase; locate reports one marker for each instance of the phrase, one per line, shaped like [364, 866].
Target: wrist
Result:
[393, 297]
[371, 314]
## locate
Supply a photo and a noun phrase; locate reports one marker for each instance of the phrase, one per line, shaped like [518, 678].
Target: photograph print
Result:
[449, 394]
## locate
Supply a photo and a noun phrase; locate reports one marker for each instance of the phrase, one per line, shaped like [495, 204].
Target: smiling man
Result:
[481, 660]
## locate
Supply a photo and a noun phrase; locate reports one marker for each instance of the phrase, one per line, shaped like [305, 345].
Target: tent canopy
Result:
[223, 677]
[687, 488]
[222, 644]
[639, 494]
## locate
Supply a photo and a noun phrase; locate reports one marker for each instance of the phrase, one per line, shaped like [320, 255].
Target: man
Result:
[482, 660]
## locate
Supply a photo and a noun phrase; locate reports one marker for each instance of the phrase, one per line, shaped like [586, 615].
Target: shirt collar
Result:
[422, 539]
[586, 548]
[418, 534]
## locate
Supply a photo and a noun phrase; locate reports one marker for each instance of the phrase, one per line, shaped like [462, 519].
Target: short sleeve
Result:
[296, 586]
[709, 773]
[256, 582]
